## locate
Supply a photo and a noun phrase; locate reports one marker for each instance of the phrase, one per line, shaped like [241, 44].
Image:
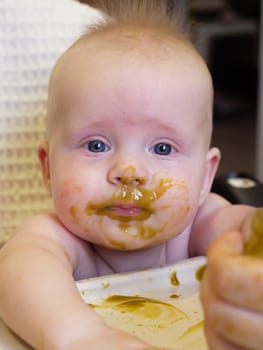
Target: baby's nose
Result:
[127, 175]
[126, 180]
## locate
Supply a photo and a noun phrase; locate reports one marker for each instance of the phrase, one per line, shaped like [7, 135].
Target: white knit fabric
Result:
[33, 33]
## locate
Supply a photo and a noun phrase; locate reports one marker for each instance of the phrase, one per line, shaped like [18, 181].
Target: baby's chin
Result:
[121, 244]
[126, 247]
[127, 243]
[125, 235]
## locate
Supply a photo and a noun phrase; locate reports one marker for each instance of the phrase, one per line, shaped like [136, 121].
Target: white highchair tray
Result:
[161, 305]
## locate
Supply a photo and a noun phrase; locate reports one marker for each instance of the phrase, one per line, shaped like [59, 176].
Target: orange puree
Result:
[254, 246]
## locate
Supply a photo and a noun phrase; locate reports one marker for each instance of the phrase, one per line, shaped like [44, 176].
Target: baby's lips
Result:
[125, 211]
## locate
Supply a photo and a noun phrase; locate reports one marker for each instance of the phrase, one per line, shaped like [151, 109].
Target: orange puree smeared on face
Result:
[73, 213]
[132, 204]
[130, 193]
[142, 231]
[254, 246]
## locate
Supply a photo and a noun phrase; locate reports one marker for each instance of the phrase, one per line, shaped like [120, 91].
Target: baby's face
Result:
[128, 153]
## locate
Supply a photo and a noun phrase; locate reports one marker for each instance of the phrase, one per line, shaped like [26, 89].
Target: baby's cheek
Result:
[174, 206]
[69, 190]
[68, 201]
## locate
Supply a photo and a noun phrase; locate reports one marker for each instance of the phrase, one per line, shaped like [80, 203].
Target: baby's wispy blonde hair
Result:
[159, 14]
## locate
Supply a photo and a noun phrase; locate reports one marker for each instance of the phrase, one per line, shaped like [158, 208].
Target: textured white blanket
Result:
[33, 33]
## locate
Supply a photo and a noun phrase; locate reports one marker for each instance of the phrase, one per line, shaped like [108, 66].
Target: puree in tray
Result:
[174, 324]
[161, 306]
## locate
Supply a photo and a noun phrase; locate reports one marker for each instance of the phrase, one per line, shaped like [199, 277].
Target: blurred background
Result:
[226, 33]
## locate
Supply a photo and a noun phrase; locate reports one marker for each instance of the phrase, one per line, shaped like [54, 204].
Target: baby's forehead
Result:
[129, 52]
[131, 47]
[137, 58]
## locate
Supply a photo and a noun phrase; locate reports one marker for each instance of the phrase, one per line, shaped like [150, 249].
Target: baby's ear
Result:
[43, 151]
[212, 162]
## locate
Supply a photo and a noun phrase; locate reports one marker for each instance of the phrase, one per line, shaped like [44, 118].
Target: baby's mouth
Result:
[125, 212]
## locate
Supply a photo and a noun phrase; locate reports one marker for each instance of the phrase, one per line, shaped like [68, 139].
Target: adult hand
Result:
[232, 296]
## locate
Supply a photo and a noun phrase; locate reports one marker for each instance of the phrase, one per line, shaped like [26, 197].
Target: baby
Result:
[128, 163]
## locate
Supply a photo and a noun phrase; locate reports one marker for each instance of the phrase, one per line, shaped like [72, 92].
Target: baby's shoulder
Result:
[41, 224]
[212, 204]
[206, 224]
[46, 230]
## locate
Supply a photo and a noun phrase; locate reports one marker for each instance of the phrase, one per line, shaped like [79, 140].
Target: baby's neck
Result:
[114, 261]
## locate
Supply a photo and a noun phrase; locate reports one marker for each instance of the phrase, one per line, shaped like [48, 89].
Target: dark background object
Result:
[247, 8]
[235, 74]
[239, 188]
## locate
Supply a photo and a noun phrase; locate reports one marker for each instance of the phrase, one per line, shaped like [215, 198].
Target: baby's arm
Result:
[215, 217]
[38, 296]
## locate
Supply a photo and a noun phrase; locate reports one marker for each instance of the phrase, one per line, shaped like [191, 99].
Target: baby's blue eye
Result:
[96, 146]
[163, 149]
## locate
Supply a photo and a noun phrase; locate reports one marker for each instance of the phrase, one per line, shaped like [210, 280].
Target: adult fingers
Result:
[235, 278]
[229, 325]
